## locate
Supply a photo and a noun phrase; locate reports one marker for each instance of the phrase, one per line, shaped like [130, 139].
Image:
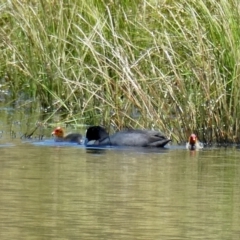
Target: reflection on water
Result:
[68, 192]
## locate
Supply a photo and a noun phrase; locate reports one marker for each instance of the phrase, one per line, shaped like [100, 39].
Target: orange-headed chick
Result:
[59, 136]
[193, 143]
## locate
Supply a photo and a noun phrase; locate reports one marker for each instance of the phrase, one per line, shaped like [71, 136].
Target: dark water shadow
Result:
[97, 151]
[142, 150]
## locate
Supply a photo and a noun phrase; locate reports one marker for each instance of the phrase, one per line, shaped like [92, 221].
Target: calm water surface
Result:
[68, 192]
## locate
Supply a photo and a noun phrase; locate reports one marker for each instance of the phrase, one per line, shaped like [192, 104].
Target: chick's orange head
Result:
[192, 139]
[58, 132]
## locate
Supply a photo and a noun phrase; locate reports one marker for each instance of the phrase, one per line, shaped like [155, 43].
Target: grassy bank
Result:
[169, 65]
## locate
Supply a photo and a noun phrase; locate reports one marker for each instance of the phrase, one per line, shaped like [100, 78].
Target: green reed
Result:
[169, 65]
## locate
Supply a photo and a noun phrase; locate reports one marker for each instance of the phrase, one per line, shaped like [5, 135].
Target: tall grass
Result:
[169, 65]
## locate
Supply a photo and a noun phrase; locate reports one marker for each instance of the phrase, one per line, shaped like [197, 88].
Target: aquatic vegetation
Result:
[169, 65]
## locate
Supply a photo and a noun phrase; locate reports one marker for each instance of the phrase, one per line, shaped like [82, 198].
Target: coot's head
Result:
[96, 133]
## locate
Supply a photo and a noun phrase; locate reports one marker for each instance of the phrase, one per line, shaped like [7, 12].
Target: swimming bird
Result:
[129, 137]
[193, 143]
[58, 134]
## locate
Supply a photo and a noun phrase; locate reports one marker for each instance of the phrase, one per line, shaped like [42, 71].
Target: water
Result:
[51, 191]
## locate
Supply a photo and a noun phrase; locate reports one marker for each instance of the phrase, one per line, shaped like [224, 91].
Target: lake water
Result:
[51, 191]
